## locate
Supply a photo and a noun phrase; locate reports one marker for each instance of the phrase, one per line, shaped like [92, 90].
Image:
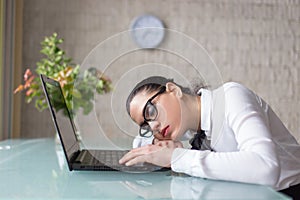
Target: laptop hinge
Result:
[81, 157]
[74, 156]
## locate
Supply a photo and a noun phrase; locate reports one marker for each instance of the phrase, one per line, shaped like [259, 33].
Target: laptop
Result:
[77, 158]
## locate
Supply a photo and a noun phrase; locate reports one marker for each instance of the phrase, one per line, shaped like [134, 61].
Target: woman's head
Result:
[151, 84]
[156, 104]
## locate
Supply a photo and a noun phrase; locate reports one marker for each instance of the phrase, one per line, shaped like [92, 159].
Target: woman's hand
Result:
[158, 154]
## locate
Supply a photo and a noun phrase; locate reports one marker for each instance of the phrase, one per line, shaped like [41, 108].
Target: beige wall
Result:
[1, 64]
[255, 42]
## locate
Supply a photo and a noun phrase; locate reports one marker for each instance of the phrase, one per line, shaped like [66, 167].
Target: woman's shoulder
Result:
[238, 94]
[232, 84]
[235, 87]
[234, 91]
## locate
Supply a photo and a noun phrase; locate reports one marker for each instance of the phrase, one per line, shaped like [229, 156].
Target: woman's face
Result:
[168, 123]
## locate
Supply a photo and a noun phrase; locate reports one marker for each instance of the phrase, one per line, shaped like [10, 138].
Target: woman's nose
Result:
[154, 125]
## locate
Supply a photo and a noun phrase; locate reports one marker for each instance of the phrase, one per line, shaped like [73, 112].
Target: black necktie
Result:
[200, 142]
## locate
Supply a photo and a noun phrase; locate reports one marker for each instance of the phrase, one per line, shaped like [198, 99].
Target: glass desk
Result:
[36, 169]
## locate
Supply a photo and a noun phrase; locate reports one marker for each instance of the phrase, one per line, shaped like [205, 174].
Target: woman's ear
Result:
[172, 87]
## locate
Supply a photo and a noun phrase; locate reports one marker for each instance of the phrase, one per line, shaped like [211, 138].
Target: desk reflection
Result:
[170, 185]
[36, 169]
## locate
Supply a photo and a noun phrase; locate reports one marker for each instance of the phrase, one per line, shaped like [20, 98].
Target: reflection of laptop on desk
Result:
[82, 159]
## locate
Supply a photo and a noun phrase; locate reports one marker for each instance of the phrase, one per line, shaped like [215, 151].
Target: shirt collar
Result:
[206, 102]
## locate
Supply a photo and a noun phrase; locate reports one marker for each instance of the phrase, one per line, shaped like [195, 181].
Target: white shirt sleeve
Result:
[256, 158]
[139, 141]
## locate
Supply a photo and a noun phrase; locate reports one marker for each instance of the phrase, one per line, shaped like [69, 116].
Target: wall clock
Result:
[147, 31]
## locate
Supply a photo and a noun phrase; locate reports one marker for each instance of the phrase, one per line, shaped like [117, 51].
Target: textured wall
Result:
[255, 42]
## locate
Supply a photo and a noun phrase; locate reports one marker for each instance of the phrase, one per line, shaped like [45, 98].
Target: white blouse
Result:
[250, 142]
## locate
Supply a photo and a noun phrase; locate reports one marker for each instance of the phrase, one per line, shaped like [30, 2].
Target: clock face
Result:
[147, 31]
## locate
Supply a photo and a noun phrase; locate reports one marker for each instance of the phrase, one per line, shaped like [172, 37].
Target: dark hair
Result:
[152, 84]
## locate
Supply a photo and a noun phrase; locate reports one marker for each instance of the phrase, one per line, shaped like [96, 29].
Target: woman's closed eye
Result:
[150, 112]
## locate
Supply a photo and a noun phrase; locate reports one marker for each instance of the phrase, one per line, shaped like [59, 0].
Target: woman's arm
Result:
[255, 162]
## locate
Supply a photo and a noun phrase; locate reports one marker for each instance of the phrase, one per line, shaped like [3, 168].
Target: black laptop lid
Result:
[63, 122]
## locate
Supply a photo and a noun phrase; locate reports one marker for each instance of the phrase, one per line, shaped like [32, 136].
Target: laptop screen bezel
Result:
[76, 147]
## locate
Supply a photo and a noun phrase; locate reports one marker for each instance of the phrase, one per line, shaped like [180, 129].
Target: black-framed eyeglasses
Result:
[150, 113]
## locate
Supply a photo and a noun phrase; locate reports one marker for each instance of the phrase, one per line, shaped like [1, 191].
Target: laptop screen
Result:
[64, 124]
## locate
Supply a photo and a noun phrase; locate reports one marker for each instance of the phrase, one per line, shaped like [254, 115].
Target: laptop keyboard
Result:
[109, 159]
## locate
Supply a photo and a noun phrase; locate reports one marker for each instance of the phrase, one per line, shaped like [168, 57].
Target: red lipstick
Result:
[164, 131]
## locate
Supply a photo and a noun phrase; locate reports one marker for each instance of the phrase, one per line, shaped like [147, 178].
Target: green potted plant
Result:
[57, 66]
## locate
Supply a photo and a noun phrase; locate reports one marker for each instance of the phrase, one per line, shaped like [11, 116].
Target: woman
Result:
[238, 136]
